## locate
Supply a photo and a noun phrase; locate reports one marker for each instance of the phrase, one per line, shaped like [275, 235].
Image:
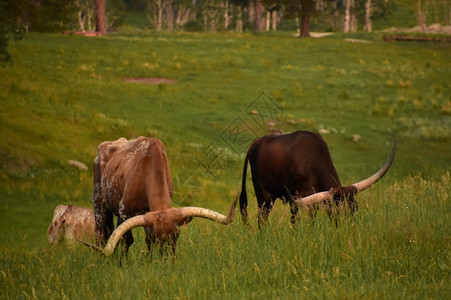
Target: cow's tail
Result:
[243, 195]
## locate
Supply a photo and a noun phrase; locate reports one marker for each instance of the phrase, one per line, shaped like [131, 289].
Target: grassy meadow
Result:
[64, 95]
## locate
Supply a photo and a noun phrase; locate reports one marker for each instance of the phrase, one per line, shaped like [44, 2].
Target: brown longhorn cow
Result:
[298, 164]
[132, 181]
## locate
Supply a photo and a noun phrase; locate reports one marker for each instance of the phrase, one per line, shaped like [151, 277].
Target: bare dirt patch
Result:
[150, 80]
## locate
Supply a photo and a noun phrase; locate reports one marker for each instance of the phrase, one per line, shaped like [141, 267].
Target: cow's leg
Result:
[128, 236]
[124, 215]
[104, 222]
[294, 212]
[265, 210]
[174, 245]
[265, 204]
[103, 217]
[286, 197]
[151, 239]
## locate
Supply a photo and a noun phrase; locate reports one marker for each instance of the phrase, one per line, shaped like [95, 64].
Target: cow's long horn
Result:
[205, 213]
[359, 186]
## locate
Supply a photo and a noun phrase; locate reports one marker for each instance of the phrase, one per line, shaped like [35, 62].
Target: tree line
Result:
[213, 15]
[256, 15]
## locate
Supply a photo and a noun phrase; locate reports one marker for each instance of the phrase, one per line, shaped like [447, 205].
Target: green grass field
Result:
[64, 95]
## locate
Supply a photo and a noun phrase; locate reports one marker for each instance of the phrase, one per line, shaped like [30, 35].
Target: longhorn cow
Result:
[132, 181]
[298, 164]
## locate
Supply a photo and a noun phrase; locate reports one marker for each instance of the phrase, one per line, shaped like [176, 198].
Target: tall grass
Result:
[397, 246]
[66, 94]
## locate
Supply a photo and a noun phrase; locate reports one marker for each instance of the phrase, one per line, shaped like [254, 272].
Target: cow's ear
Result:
[184, 222]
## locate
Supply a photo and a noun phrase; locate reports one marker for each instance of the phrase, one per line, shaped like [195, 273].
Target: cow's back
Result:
[132, 173]
[299, 160]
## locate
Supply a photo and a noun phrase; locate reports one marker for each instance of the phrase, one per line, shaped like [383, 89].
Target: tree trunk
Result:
[336, 17]
[368, 22]
[211, 19]
[183, 15]
[89, 14]
[421, 16]
[100, 17]
[353, 17]
[80, 21]
[274, 20]
[268, 20]
[305, 27]
[226, 15]
[308, 9]
[160, 14]
[80, 16]
[259, 21]
[239, 19]
[170, 15]
[347, 20]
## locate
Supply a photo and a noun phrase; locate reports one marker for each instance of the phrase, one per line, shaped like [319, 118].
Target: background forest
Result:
[226, 15]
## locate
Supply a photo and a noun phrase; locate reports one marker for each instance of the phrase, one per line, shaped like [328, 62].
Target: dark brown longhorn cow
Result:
[298, 164]
[132, 181]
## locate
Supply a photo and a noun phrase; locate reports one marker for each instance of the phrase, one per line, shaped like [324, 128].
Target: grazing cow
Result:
[132, 178]
[71, 223]
[298, 164]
